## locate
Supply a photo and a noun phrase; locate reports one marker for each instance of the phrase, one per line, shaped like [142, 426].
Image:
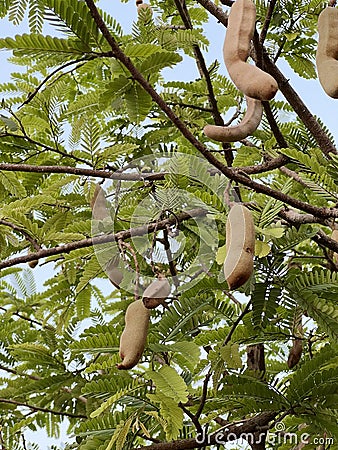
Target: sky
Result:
[309, 90]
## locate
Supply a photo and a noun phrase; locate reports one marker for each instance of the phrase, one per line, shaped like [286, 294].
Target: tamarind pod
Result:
[240, 246]
[247, 126]
[156, 293]
[334, 236]
[295, 353]
[134, 335]
[249, 79]
[99, 204]
[327, 51]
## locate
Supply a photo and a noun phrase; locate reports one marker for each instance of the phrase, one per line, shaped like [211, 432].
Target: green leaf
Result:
[138, 103]
[230, 354]
[37, 44]
[169, 383]
[221, 254]
[262, 249]
[12, 184]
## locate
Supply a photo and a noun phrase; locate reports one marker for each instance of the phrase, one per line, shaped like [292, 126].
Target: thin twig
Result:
[236, 323]
[137, 267]
[22, 231]
[21, 316]
[204, 395]
[38, 408]
[172, 266]
[48, 77]
[45, 147]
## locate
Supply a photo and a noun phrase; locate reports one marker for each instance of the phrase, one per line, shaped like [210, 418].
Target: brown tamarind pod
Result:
[295, 353]
[327, 51]
[134, 335]
[240, 246]
[249, 79]
[156, 293]
[99, 204]
[247, 126]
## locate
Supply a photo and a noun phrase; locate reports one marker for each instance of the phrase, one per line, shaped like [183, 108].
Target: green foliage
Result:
[72, 106]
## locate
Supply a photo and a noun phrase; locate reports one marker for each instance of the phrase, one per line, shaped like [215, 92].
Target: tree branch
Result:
[274, 126]
[104, 239]
[38, 408]
[267, 21]
[82, 171]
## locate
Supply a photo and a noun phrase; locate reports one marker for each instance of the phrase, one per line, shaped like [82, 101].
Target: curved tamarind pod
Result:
[134, 336]
[99, 204]
[249, 79]
[240, 246]
[327, 51]
[156, 293]
[247, 126]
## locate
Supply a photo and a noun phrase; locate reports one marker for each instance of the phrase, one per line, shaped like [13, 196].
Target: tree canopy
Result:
[106, 174]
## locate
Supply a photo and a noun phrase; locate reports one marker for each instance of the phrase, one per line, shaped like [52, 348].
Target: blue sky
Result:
[310, 91]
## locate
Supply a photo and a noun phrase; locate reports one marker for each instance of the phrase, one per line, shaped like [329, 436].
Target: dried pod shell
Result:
[247, 126]
[327, 51]
[240, 246]
[156, 293]
[99, 204]
[134, 335]
[295, 353]
[249, 79]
